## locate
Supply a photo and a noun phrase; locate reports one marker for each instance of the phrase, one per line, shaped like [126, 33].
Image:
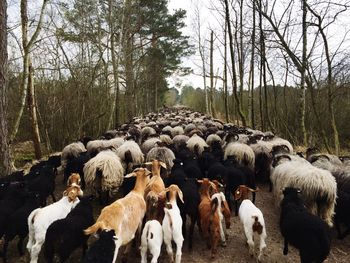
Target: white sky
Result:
[193, 61]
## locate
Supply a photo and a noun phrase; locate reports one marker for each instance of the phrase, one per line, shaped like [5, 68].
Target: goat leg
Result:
[285, 249]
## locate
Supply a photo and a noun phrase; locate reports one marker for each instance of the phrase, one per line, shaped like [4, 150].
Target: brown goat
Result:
[154, 202]
[125, 215]
[209, 216]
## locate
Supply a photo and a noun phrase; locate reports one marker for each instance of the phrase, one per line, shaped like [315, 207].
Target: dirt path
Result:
[236, 250]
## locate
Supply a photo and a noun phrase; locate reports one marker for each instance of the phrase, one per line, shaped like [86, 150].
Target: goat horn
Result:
[252, 190]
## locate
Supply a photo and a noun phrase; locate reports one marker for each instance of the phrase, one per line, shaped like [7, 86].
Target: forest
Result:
[78, 68]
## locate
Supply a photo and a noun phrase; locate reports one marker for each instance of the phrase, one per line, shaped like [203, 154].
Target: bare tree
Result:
[330, 82]
[234, 75]
[202, 53]
[252, 73]
[5, 158]
[211, 101]
[27, 83]
[303, 72]
[225, 74]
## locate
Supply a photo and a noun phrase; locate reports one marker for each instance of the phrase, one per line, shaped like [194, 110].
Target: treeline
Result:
[93, 66]
[283, 111]
[300, 45]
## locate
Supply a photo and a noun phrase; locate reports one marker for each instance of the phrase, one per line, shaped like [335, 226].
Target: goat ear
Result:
[147, 172]
[200, 181]
[212, 185]
[223, 198]
[72, 194]
[148, 163]
[180, 195]
[130, 175]
[163, 165]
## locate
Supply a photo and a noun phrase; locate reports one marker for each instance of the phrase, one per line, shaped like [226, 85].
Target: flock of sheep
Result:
[154, 173]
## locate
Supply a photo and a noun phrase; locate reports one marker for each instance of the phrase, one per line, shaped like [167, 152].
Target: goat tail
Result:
[31, 219]
[95, 228]
[257, 226]
[214, 206]
[144, 237]
[167, 213]
[31, 230]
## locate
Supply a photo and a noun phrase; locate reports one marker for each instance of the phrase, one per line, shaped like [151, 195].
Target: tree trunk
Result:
[303, 72]
[225, 76]
[27, 45]
[330, 81]
[262, 120]
[115, 63]
[261, 114]
[241, 54]
[251, 77]
[128, 61]
[5, 157]
[263, 65]
[234, 76]
[212, 106]
[32, 110]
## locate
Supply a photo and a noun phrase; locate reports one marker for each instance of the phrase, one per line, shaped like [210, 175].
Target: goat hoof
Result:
[223, 244]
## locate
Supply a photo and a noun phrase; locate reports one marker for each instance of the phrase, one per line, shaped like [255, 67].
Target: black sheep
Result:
[8, 187]
[191, 197]
[217, 171]
[102, 250]
[342, 213]
[191, 167]
[65, 235]
[235, 177]
[13, 200]
[216, 150]
[76, 165]
[17, 224]
[249, 178]
[303, 230]
[13, 177]
[44, 184]
[54, 161]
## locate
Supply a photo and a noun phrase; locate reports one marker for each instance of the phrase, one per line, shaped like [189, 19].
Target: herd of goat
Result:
[157, 171]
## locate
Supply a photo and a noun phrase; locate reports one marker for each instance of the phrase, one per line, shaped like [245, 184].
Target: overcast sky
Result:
[193, 61]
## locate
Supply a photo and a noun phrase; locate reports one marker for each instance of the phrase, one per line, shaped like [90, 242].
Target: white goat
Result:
[252, 220]
[41, 218]
[172, 224]
[152, 239]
